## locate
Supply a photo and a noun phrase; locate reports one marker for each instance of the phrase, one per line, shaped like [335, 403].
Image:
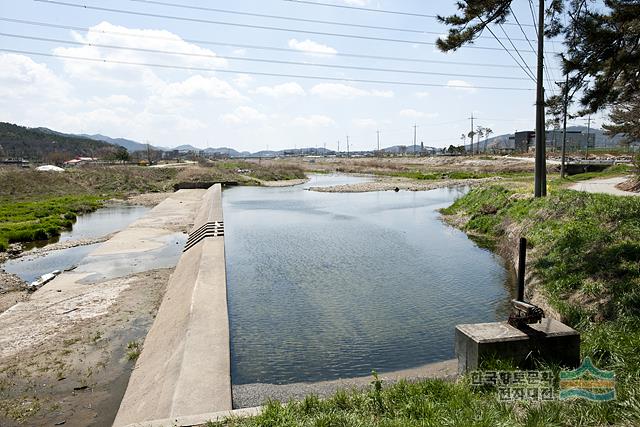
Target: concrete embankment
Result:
[184, 367]
[63, 350]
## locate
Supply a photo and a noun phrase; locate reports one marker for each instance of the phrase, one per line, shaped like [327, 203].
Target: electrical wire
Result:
[259, 27]
[530, 73]
[251, 46]
[258, 73]
[242, 58]
[289, 18]
[367, 9]
[507, 50]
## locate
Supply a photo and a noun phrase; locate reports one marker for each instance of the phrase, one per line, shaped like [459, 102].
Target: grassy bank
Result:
[585, 249]
[43, 219]
[38, 205]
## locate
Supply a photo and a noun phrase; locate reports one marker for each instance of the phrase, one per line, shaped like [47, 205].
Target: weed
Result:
[134, 348]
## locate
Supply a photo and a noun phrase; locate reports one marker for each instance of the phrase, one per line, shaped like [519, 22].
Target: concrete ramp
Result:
[184, 367]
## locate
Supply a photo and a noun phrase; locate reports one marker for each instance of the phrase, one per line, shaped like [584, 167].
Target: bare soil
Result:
[75, 368]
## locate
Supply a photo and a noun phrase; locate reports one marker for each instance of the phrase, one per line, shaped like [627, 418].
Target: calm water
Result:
[324, 286]
[92, 225]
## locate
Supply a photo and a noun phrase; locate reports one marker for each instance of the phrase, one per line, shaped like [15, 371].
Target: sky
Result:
[200, 81]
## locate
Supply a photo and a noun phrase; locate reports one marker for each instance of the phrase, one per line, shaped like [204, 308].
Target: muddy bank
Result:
[143, 199]
[251, 395]
[73, 365]
[405, 184]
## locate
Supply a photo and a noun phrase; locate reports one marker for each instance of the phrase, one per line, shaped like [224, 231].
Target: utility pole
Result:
[564, 127]
[378, 137]
[541, 157]
[415, 132]
[471, 133]
[348, 146]
[586, 156]
[338, 148]
[324, 149]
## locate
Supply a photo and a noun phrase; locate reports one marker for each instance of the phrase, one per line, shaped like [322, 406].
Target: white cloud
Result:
[356, 2]
[365, 123]
[313, 121]
[414, 114]
[22, 77]
[242, 80]
[461, 85]
[422, 94]
[280, 91]
[343, 91]
[210, 87]
[309, 46]
[243, 115]
[104, 33]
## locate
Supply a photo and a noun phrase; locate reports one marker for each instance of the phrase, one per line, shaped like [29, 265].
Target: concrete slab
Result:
[184, 367]
[548, 340]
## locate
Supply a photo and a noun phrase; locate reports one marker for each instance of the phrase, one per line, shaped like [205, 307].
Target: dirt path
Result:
[604, 186]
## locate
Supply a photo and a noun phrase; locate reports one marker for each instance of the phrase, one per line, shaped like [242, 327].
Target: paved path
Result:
[604, 186]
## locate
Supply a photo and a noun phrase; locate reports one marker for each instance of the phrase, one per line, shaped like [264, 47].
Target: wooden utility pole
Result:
[338, 148]
[378, 138]
[348, 146]
[540, 182]
[415, 132]
[564, 127]
[471, 133]
[586, 156]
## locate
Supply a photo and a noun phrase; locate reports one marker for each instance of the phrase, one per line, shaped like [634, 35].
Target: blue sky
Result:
[171, 107]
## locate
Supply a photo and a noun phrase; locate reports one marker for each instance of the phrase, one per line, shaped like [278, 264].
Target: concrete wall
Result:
[184, 367]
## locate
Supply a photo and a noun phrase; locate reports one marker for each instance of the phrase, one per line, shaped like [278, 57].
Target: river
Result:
[333, 285]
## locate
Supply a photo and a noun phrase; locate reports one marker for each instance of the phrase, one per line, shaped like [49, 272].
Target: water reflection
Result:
[330, 285]
[92, 225]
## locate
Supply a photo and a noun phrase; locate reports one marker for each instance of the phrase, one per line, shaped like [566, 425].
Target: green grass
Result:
[587, 254]
[41, 220]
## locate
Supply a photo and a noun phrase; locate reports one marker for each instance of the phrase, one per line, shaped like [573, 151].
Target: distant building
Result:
[80, 161]
[576, 140]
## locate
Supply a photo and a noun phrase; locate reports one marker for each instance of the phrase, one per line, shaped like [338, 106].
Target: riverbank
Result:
[405, 184]
[252, 395]
[66, 352]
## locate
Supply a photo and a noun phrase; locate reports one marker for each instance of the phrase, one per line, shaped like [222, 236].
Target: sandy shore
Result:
[285, 183]
[250, 395]
[402, 184]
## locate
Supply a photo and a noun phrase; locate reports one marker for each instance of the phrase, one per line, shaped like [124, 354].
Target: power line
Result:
[507, 50]
[258, 73]
[290, 18]
[234, 24]
[530, 73]
[546, 65]
[251, 46]
[241, 58]
[367, 9]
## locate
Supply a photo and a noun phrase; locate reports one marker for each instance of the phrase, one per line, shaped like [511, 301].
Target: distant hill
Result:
[40, 144]
[130, 145]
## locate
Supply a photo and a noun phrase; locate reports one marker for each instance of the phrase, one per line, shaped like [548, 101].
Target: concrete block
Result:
[549, 340]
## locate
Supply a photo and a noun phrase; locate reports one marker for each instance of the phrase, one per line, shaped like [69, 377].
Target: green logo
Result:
[588, 382]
